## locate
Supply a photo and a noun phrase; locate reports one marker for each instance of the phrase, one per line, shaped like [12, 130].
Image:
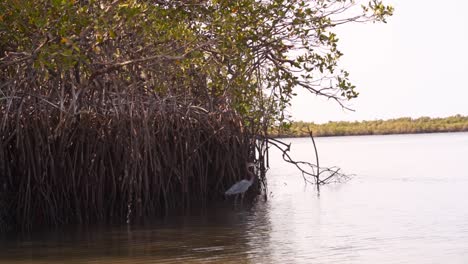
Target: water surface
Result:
[407, 203]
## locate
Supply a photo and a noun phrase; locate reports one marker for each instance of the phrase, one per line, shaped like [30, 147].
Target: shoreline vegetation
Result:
[404, 125]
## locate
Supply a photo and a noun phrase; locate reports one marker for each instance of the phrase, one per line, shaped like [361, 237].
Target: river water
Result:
[406, 203]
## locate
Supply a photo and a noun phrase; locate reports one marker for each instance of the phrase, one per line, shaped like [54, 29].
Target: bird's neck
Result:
[251, 175]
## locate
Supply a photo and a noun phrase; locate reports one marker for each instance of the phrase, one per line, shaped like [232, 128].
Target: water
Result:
[407, 203]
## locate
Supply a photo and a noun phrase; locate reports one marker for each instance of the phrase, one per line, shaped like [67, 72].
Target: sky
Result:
[415, 65]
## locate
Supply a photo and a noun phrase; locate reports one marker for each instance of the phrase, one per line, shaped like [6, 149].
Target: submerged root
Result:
[139, 159]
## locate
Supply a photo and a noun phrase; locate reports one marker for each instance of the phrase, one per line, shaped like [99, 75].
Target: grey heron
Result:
[242, 186]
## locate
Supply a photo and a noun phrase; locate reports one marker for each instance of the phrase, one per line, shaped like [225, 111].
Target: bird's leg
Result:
[242, 199]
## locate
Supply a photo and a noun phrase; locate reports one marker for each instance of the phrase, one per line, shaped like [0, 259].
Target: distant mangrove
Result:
[403, 125]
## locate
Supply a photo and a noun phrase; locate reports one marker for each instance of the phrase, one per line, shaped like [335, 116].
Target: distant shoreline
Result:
[388, 134]
[406, 125]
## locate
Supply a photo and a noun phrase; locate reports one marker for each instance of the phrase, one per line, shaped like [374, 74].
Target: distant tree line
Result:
[404, 125]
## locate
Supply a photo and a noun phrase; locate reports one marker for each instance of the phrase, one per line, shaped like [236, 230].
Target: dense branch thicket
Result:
[142, 159]
[111, 110]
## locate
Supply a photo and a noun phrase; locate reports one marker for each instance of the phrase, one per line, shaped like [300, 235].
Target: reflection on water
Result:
[406, 204]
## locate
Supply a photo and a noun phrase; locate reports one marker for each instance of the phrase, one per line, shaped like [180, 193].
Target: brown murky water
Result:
[408, 203]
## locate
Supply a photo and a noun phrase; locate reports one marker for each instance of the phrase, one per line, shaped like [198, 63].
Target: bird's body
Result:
[242, 186]
[239, 187]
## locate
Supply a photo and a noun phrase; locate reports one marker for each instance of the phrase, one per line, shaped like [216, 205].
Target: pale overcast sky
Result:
[415, 65]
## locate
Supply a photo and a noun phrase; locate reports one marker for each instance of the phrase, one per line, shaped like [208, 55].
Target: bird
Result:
[242, 186]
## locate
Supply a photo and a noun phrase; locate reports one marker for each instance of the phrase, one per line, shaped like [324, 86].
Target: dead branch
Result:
[312, 173]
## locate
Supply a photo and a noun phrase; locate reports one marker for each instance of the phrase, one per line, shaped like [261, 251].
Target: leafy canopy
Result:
[245, 55]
